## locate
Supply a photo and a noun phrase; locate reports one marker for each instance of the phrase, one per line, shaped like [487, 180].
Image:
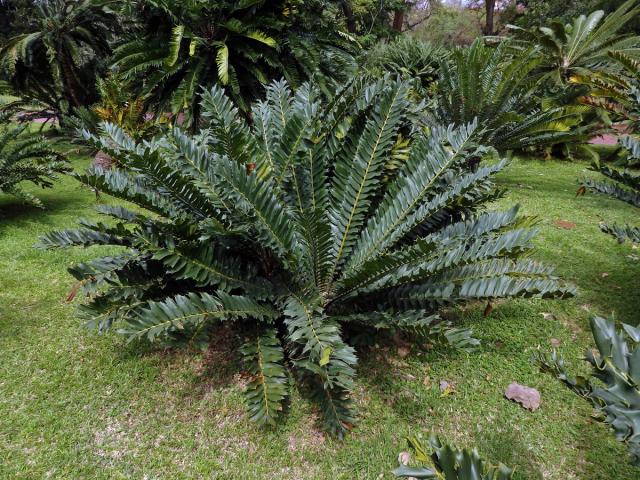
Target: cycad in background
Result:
[241, 45]
[287, 230]
[56, 63]
[414, 60]
[622, 96]
[582, 46]
[25, 157]
[493, 84]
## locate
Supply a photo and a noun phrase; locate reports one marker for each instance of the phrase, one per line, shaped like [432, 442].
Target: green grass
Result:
[74, 404]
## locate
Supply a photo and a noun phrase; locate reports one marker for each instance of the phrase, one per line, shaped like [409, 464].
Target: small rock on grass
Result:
[404, 458]
[528, 397]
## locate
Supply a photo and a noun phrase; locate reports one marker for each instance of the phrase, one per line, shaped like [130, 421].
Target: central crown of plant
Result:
[319, 214]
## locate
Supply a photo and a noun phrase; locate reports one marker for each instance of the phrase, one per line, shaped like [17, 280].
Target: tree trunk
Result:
[348, 15]
[398, 20]
[69, 80]
[490, 6]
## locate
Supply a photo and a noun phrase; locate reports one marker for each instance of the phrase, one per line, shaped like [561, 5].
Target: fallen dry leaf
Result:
[548, 316]
[604, 274]
[403, 351]
[564, 224]
[528, 397]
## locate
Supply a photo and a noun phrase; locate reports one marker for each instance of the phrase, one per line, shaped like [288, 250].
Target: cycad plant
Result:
[287, 229]
[615, 89]
[445, 462]
[621, 184]
[180, 45]
[616, 366]
[493, 85]
[579, 47]
[25, 157]
[57, 61]
[412, 59]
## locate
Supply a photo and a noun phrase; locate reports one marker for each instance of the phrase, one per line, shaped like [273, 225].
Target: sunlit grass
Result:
[77, 405]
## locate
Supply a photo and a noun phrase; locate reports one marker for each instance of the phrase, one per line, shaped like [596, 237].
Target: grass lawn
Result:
[75, 405]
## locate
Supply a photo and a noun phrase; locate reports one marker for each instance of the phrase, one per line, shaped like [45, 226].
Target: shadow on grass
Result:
[12, 210]
[598, 441]
[500, 444]
[215, 367]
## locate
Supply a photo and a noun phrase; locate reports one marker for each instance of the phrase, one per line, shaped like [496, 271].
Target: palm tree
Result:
[56, 62]
[577, 48]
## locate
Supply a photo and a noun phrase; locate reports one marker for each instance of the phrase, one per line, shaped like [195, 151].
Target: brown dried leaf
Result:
[403, 352]
[564, 224]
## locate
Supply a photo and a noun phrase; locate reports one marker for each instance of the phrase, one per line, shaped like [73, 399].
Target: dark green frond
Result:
[161, 319]
[267, 391]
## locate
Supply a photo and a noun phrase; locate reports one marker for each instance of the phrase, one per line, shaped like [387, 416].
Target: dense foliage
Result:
[495, 87]
[414, 60]
[177, 47]
[576, 48]
[616, 364]
[295, 228]
[447, 463]
[540, 12]
[25, 157]
[56, 60]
